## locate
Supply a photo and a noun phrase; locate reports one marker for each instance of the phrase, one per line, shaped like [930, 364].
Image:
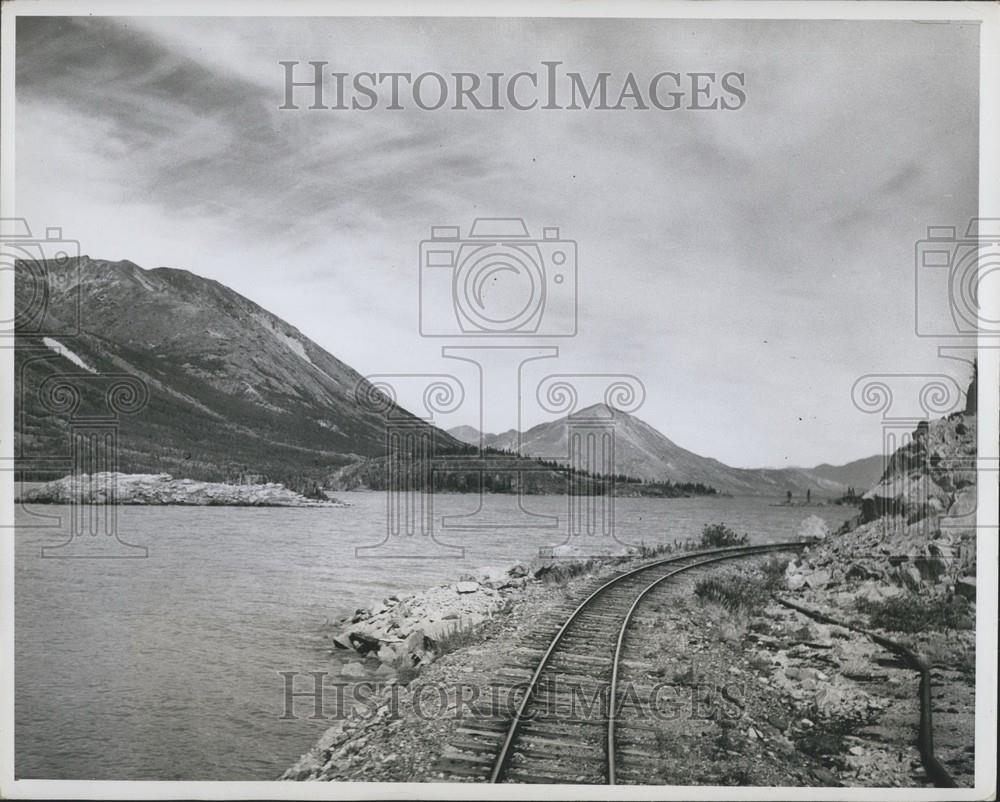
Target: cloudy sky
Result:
[748, 265]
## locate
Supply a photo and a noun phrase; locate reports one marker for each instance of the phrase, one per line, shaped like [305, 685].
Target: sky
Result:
[747, 266]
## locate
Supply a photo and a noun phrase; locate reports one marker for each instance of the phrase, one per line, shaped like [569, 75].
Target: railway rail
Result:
[555, 675]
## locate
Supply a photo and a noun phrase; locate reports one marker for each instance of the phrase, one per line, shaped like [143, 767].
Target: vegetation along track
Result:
[549, 718]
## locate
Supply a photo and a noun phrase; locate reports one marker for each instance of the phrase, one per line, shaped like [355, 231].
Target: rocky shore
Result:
[766, 695]
[162, 489]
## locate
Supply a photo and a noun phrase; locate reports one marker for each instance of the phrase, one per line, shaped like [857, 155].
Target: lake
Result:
[167, 667]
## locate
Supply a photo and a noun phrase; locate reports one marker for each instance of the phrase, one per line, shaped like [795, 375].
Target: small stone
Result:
[353, 670]
[467, 587]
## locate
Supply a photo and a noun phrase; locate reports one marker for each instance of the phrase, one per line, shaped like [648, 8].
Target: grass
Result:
[741, 591]
[911, 612]
[558, 572]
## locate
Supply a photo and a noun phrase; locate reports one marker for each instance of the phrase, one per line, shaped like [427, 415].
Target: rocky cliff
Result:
[917, 526]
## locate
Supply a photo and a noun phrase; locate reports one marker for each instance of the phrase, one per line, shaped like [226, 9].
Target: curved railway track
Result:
[554, 676]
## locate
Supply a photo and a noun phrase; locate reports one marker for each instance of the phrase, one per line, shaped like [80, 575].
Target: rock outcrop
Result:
[917, 526]
[407, 632]
[162, 489]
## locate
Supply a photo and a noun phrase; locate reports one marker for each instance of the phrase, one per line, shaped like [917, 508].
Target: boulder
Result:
[908, 576]
[859, 571]
[965, 586]
[353, 670]
[365, 642]
[393, 654]
[517, 571]
[818, 579]
[796, 581]
[414, 642]
[467, 587]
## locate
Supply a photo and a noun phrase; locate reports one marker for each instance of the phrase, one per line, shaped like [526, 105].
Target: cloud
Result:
[701, 234]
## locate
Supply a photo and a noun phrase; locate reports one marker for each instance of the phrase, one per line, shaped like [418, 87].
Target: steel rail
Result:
[504, 755]
[619, 645]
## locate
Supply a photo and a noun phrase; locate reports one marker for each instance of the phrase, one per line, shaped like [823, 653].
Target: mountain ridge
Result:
[233, 388]
[642, 450]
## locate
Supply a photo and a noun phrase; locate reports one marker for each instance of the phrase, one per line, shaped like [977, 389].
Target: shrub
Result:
[773, 573]
[910, 612]
[734, 592]
[456, 638]
[720, 536]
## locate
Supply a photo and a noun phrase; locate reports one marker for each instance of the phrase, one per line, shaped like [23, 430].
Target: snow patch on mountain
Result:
[56, 346]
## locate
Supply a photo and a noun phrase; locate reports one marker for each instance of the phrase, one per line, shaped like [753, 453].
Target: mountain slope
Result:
[860, 473]
[641, 450]
[232, 387]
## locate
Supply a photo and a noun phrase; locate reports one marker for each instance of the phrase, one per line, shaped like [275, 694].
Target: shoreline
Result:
[759, 699]
[162, 490]
[819, 700]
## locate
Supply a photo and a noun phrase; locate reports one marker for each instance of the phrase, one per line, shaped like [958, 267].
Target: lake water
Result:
[167, 667]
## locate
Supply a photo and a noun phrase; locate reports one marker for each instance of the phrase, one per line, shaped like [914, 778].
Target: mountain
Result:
[859, 474]
[643, 451]
[232, 388]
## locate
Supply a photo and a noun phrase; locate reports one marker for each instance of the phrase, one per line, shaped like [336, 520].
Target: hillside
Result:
[859, 474]
[233, 389]
[643, 451]
[237, 393]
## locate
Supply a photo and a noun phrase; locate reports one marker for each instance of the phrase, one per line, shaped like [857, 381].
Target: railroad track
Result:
[553, 715]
